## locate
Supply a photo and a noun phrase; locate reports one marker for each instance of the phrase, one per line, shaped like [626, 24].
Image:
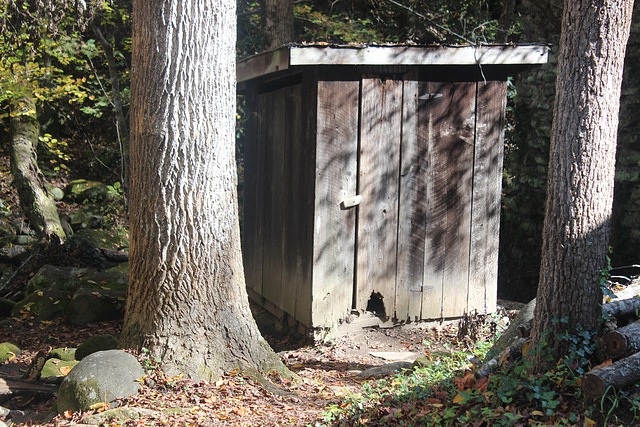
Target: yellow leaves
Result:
[458, 399]
[588, 422]
[99, 407]
[64, 370]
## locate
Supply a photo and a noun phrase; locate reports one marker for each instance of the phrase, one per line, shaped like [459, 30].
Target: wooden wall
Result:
[426, 157]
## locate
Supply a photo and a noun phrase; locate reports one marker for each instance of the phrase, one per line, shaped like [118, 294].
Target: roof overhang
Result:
[288, 57]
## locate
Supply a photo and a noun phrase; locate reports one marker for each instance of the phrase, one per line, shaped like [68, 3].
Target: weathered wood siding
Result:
[426, 158]
[379, 160]
[335, 180]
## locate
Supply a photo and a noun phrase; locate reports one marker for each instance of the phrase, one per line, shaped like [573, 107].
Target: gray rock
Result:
[82, 190]
[90, 305]
[24, 240]
[100, 377]
[55, 192]
[107, 239]
[62, 278]
[85, 217]
[384, 370]
[44, 304]
[70, 278]
[14, 254]
[94, 344]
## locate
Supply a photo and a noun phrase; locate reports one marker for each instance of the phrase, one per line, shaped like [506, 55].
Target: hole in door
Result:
[375, 304]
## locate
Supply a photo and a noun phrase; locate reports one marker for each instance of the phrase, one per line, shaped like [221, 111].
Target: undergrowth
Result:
[447, 393]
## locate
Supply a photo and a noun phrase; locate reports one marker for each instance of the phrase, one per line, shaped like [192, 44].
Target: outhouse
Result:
[372, 179]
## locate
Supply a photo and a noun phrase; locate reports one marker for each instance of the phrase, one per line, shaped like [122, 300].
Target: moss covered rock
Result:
[100, 377]
[57, 368]
[96, 343]
[44, 304]
[92, 305]
[108, 239]
[66, 354]
[81, 191]
[7, 351]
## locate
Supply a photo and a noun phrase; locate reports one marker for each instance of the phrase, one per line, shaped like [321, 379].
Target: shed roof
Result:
[288, 57]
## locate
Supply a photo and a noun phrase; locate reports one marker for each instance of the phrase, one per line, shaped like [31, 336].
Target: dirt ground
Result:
[328, 372]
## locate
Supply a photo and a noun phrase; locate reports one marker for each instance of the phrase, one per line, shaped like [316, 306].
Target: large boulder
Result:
[95, 344]
[91, 305]
[82, 191]
[100, 377]
[44, 304]
[86, 217]
[70, 278]
[116, 239]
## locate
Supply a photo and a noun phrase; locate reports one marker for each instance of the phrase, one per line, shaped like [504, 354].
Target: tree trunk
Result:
[278, 23]
[581, 168]
[620, 374]
[623, 341]
[35, 200]
[187, 302]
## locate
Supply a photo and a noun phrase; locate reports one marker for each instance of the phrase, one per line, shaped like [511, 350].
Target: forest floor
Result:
[328, 372]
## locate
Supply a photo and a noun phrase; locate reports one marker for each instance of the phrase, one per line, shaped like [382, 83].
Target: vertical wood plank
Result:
[451, 155]
[335, 180]
[252, 259]
[293, 194]
[274, 200]
[412, 207]
[380, 122]
[305, 188]
[432, 108]
[487, 188]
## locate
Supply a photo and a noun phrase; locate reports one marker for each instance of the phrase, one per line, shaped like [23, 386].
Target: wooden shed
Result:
[372, 179]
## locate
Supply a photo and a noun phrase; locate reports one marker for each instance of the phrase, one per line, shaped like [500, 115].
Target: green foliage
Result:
[513, 396]
[318, 26]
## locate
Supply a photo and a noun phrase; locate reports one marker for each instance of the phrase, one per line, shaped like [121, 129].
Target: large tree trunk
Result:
[37, 204]
[187, 301]
[581, 167]
[278, 23]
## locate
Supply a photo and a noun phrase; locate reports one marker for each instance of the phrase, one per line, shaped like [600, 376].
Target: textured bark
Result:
[187, 301]
[278, 23]
[581, 167]
[30, 184]
[620, 374]
[623, 307]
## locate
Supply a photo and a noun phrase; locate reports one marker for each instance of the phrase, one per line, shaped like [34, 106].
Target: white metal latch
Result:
[350, 202]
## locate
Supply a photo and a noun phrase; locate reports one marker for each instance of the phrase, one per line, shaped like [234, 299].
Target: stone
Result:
[56, 368]
[394, 356]
[66, 354]
[70, 278]
[62, 278]
[41, 305]
[85, 217]
[6, 305]
[55, 192]
[7, 351]
[24, 240]
[108, 239]
[14, 254]
[100, 377]
[94, 344]
[91, 305]
[385, 370]
[82, 190]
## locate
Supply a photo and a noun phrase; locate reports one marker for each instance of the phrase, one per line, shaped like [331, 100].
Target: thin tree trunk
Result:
[116, 100]
[187, 301]
[278, 23]
[35, 200]
[581, 168]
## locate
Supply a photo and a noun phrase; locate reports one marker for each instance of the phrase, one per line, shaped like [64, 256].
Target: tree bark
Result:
[623, 341]
[30, 184]
[187, 301]
[278, 23]
[620, 374]
[581, 168]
